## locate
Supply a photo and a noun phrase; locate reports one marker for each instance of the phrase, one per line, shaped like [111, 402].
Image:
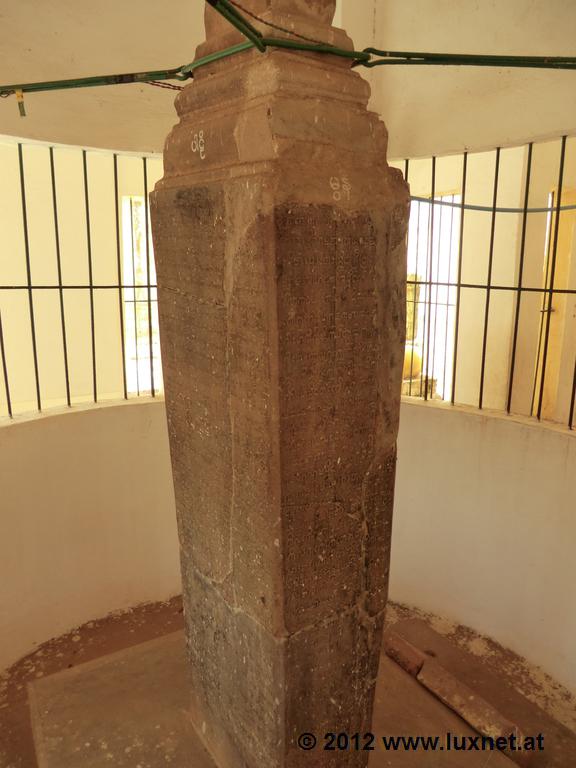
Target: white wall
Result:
[87, 520]
[485, 528]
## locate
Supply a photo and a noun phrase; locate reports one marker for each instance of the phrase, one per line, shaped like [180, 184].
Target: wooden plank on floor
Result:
[559, 741]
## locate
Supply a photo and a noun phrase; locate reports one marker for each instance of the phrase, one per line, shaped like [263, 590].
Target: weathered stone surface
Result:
[279, 236]
[310, 17]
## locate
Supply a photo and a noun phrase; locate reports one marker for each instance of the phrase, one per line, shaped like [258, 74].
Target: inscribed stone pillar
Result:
[279, 234]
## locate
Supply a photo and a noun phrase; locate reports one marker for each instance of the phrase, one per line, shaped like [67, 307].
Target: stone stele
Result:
[279, 234]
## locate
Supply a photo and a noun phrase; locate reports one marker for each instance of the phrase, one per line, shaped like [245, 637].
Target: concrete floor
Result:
[128, 709]
[93, 640]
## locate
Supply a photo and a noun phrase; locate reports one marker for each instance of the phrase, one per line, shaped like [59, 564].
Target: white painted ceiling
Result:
[427, 110]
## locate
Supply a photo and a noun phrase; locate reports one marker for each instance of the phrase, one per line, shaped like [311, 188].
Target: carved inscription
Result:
[341, 188]
[199, 145]
[328, 354]
[190, 268]
[327, 310]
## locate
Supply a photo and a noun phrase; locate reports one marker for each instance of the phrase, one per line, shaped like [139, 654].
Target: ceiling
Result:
[427, 110]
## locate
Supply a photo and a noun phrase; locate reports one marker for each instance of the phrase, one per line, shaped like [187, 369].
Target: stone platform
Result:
[129, 710]
[126, 710]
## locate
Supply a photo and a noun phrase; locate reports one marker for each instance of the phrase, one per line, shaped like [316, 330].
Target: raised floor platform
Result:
[129, 710]
[124, 710]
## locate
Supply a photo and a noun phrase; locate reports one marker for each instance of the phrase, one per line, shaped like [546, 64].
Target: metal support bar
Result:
[89, 82]
[255, 39]
[552, 276]
[489, 280]
[5, 370]
[469, 60]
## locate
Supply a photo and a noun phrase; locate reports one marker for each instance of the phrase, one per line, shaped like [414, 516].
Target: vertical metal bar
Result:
[5, 369]
[548, 249]
[448, 290]
[430, 258]
[29, 277]
[552, 275]
[134, 289]
[90, 276]
[149, 290]
[489, 280]
[415, 302]
[437, 289]
[459, 283]
[119, 266]
[573, 400]
[520, 276]
[406, 174]
[423, 301]
[59, 266]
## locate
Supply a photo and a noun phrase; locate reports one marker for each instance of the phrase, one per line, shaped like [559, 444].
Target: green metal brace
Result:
[255, 39]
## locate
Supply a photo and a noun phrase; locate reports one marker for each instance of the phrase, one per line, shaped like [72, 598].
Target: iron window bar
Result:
[549, 290]
[433, 286]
